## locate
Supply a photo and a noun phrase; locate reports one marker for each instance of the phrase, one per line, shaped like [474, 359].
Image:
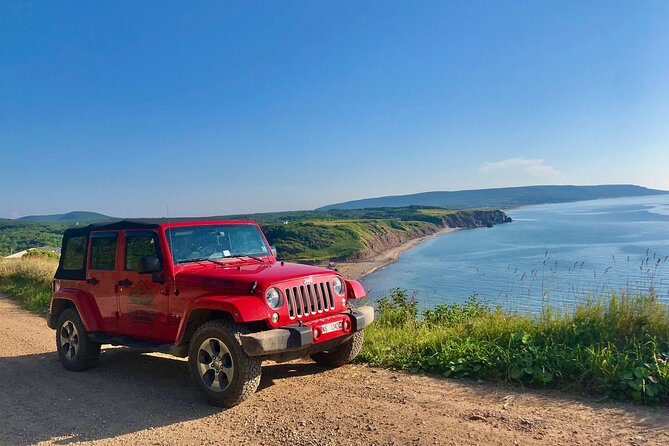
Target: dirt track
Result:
[135, 398]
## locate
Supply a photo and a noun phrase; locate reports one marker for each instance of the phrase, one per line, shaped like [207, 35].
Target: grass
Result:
[616, 348]
[437, 212]
[28, 280]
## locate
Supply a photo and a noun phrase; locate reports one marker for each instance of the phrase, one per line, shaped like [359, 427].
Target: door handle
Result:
[124, 282]
[92, 281]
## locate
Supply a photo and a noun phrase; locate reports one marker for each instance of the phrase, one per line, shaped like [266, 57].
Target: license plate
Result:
[332, 326]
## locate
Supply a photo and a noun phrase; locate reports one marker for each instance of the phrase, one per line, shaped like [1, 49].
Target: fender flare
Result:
[241, 308]
[85, 305]
[355, 290]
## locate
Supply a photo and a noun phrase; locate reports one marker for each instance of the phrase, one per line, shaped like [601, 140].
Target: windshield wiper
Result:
[199, 259]
[236, 256]
[203, 259]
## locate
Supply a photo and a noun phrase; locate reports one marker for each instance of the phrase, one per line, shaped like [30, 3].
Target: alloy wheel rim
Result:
[215, 364]
[69, 340]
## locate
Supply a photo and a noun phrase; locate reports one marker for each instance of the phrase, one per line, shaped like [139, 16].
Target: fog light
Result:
[343, 301]
[317, 333]
[347, 325]
[275, 317]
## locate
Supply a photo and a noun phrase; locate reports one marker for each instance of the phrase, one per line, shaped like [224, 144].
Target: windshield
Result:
[215, 242]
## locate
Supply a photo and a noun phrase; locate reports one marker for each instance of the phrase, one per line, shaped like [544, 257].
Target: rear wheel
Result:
[219, 366]
[341, 354]
[75, 350]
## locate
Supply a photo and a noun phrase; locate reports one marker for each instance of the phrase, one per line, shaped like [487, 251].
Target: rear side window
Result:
[75, 254]
[103, 251]
[137, 245]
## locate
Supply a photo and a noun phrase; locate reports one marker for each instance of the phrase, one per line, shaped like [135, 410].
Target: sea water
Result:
[550, 255]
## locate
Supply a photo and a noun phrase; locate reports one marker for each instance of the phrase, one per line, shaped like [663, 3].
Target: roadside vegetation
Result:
[616, 347]
[28, 280]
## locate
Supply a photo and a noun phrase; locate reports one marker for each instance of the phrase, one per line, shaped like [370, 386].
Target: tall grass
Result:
[616, 347]
[28, 280]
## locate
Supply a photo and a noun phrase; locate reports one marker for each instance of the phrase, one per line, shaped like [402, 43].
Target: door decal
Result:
[141, 295]
[143, 317]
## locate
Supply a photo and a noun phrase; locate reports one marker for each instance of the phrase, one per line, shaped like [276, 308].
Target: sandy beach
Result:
[356, 270]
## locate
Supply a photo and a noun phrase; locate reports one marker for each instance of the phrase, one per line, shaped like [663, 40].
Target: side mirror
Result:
[274, 252]
[149, 264]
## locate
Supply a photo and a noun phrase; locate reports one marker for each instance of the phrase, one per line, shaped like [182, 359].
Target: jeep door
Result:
[101, 276]
[142, 298]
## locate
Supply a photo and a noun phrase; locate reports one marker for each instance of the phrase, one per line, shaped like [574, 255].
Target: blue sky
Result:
[126, 108]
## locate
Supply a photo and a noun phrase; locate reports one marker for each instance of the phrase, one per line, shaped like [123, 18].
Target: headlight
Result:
[338, 286]
[273, 298]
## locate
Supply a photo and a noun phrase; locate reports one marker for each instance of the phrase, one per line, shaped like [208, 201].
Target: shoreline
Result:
[362, 268]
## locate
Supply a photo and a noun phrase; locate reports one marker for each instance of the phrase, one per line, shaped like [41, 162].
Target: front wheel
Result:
[219, 366]
[341, 354]
[75, 350]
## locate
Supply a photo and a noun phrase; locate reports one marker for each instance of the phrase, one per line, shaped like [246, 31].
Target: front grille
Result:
[305, 300]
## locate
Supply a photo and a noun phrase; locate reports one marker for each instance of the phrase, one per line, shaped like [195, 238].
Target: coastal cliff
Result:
[357, 235]
[475, 219]
[386, 238]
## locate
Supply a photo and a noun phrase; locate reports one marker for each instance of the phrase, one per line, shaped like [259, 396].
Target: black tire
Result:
[75, 350]
[341, 354]
[221, 369]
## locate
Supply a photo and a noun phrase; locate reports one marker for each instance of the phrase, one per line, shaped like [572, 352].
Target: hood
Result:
[240, 276]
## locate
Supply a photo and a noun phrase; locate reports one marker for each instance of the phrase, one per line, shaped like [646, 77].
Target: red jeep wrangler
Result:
[210, 290]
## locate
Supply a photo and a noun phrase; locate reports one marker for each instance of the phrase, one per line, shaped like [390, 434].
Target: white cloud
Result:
[528, 168]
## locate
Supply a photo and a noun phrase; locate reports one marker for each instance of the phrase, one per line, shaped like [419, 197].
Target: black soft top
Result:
[137, 223]
[84, 232]
[79, 231]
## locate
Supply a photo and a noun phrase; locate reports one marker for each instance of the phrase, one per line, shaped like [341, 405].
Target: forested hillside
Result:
[17, 236]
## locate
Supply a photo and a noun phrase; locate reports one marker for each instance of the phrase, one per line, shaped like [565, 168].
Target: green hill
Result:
[505, 197]
[83, 217]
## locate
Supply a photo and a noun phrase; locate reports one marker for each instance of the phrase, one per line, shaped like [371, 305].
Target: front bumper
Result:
[300, 336]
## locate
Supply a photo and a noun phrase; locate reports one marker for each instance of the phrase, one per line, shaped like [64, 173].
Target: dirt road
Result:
[146, 399]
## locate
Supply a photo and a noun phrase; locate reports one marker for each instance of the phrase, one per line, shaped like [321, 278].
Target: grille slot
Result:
[289, 301]
[306, 300]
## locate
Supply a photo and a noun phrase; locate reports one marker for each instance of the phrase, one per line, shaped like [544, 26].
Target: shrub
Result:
[31, 253]
[399, 310]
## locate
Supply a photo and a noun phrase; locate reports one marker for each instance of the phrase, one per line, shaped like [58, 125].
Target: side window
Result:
[75, 253]
[103, 251]
[137, 245]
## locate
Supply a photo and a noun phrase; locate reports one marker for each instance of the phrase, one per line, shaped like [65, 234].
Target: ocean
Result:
[550, 255]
